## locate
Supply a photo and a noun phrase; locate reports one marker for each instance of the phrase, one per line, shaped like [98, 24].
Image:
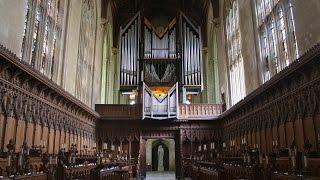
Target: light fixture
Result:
[132, 102]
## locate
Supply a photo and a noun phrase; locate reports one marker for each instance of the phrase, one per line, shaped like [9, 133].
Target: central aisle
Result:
[166, 175]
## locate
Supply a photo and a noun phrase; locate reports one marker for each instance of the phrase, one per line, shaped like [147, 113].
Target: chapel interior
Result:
[160, 89]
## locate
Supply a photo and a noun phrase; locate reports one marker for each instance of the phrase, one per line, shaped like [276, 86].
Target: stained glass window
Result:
[42, 30]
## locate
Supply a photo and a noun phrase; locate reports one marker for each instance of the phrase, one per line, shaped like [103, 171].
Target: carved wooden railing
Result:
[199, 111]
[286, 108]
[119, 111]
[36, 102]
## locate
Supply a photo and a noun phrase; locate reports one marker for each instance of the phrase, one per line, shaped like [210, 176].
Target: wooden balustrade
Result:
[39, 112]
[191, 111]
[199, 111]
[119, 111]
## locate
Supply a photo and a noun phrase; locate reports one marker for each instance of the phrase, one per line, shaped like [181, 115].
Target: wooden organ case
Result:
[163, 64]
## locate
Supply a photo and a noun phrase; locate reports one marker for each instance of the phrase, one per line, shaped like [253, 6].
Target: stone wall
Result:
[12, 13]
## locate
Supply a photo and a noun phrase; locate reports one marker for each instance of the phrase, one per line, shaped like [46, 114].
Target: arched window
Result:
[42, 34]
[87, 39]
[278, 46]
[236, 72]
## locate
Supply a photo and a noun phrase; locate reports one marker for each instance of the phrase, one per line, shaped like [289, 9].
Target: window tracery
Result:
[236, 72]
[42, 33]
[86, 51]
[278, 46]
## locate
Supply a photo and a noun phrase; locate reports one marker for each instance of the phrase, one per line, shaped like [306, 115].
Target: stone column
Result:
[116, 95]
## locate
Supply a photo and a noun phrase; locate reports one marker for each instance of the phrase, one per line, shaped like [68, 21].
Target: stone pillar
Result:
[116, 95]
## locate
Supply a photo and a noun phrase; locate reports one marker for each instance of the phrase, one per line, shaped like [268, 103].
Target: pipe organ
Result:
[129, 48]
[156, 57]
[191, 53]
[159, 45]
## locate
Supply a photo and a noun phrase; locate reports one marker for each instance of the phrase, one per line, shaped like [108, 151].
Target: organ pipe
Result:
[191, 53]
[129, 39]
[156, 47]
[161, 46]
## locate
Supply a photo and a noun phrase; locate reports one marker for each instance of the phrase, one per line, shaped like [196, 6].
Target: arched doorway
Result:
[155, 155]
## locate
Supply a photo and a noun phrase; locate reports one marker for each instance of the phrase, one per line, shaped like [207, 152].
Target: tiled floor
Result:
[167, 175]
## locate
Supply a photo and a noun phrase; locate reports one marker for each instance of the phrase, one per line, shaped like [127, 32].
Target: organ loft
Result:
[160, 64]
[159, 89]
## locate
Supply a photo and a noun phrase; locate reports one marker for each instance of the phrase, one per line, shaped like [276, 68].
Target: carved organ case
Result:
[160, 63]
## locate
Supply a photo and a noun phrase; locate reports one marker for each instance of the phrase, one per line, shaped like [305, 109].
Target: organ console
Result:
[156, 57]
